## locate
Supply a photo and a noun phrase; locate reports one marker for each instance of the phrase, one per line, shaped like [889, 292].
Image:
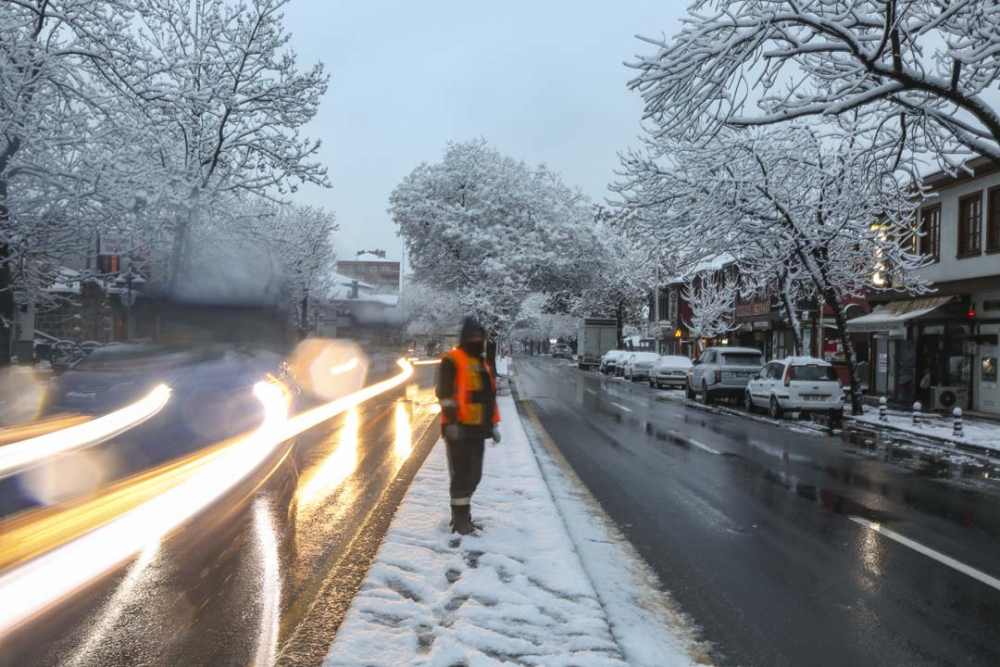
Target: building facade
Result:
[382, 275]
[942, 348]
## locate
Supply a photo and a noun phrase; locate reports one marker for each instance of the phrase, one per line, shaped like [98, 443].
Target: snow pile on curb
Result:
[975, 434]
[517, 593]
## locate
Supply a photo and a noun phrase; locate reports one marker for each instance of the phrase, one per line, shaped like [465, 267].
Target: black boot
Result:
[461, 520]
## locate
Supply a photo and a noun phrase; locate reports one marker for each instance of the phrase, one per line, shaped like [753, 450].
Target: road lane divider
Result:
[677, 435]
[39, 584]
[21, 455]
[978, 575]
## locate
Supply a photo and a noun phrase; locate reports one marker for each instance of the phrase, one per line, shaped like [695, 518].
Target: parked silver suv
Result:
[723, 372]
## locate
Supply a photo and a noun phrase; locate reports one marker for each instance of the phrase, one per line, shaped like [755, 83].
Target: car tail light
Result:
[788, 375]
[718, 377]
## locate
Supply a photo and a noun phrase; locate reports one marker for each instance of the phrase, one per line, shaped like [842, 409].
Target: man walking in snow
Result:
[467, 392]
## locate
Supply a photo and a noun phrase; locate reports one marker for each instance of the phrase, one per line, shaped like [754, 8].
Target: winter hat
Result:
[470, 327]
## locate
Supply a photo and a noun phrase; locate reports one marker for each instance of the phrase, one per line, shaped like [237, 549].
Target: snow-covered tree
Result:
[711, 296]
[620, 274]
[929, 67]
[821, 206]
[58, 115]
[302, 239]
[537, 321]
[491, 230]
[430, 311]
[225, 104]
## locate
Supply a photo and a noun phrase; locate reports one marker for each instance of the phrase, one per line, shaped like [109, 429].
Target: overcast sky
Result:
[542, 81]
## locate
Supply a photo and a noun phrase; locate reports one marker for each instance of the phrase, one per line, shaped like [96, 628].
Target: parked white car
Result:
[611, 359]
[638, 365]
[723, 372]
[798, 384]
[669, 371]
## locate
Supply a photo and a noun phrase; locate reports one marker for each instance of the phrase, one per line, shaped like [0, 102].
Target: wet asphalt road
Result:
[263, 577]
[753, 526]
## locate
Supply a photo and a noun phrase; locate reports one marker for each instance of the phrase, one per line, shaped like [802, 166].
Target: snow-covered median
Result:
[518, 593]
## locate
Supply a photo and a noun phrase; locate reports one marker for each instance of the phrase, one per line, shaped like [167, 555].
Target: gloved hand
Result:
[496, 435]
[452, 432]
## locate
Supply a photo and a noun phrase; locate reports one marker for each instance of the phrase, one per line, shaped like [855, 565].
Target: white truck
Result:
[597, 336]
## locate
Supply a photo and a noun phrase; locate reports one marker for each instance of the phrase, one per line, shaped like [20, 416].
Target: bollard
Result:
[882, 412]
[957, 429]
[916, 413]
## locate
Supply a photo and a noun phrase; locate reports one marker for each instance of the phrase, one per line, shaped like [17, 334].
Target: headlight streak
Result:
[33, 587]
[270, 583]
[337, 467]
[403, 444]
[426, 362]
[345, 367]
[20, 455]
[114, 607]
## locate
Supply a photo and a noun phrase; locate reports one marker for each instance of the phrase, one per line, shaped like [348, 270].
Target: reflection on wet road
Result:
[780, 540]
[251, 576]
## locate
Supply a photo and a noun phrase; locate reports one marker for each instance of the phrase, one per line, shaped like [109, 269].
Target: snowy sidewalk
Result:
[518, 593]
[979, 434]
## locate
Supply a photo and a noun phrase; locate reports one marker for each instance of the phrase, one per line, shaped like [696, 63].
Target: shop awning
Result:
[892, 316]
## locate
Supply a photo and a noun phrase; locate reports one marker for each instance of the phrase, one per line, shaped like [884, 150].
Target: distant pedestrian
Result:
[467, 392]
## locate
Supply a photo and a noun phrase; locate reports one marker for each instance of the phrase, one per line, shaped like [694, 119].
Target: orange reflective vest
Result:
[468, 381]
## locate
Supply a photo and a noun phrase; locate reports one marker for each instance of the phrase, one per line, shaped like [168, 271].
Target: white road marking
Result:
[621, 407]
[931, 553]
[700, 445]
[704, 447]
[591, 391]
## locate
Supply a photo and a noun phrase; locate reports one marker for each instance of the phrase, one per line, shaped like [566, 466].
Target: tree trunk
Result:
[177, 252]
[792, 316]
[620, 319]
[304, 323]
[833, 300]
[6, 279]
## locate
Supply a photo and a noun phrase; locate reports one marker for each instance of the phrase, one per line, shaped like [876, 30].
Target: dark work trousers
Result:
[465, 466]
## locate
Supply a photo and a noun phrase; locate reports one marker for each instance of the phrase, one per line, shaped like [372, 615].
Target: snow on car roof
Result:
[805, 361]
[736, 350]
[675, 359]
[644, 356]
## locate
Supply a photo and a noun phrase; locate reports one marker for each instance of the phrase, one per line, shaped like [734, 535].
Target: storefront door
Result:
[987, 384]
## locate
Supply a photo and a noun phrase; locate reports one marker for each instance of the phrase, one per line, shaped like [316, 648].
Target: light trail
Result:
[345, 367]
[426, 362]
[336, 468]
[403, 442]
[39, 584]
[270, 584]
[20, 455]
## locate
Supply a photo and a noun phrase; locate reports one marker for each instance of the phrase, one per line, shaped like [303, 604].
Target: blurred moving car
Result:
[723, 372]
[669, 371]
[638, 365]
[800, 384]
[561, 351]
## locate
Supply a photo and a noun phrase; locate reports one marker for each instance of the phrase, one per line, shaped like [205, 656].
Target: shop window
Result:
[928, 243]
[989, 364]
[993, 221]
[970, 224]
[107, 264]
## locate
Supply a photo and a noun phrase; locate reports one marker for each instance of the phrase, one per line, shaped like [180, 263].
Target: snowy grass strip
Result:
[515, 594]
